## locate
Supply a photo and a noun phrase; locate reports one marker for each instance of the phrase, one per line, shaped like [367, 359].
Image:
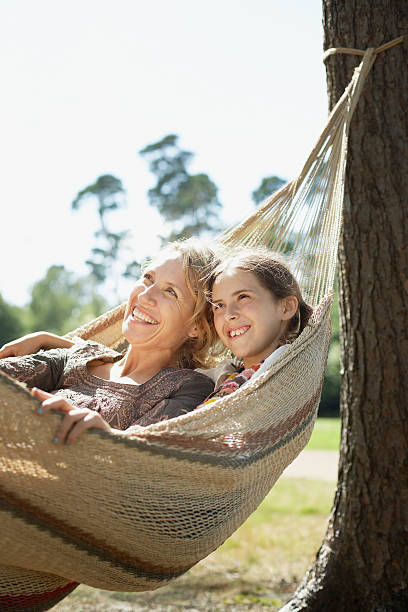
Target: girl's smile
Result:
[237, 332]
[248, 318]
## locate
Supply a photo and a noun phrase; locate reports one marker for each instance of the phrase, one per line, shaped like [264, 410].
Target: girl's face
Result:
[248, 318]
[159, 309]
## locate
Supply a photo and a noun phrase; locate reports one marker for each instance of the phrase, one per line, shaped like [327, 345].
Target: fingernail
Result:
[55, 441]
[39, 410]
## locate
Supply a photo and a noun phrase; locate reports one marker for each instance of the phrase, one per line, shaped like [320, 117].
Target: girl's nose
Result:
[230, 312]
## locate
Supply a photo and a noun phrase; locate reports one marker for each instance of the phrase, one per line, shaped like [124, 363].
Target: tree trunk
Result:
[362, 565]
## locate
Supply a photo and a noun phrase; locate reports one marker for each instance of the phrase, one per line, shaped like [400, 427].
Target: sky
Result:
[86, 84]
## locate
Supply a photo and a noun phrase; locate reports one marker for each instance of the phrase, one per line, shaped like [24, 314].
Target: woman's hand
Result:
[31, 343]
[74, 422]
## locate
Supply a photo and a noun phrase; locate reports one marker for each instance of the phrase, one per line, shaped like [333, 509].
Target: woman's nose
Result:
[148, 295]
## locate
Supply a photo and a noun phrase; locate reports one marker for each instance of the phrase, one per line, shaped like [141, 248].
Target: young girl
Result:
[258, 312]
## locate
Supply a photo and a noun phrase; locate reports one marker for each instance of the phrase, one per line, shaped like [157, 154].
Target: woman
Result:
[166, 324]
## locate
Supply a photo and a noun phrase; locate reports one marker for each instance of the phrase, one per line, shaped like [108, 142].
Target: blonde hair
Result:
[198, 261]
[272, 271]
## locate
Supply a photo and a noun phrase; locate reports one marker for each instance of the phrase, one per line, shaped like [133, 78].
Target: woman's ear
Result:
[193, 333]
[289, 307]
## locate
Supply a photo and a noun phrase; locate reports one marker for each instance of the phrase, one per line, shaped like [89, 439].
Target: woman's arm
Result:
[32, 343]
[43, 369]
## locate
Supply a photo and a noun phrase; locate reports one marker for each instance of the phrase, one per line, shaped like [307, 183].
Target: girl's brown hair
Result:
[198, 260]
[272, 271]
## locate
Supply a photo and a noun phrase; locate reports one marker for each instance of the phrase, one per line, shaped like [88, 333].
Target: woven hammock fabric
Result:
[131, 513]
[181, 486]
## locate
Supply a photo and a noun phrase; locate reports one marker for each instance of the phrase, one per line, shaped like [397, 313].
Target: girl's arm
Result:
[32, 343]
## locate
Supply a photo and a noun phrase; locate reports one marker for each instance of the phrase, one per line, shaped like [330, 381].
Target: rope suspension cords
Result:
[129, 513]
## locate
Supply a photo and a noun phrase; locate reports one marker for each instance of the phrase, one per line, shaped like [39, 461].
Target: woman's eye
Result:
[217, 306]
[243, 296]
[171, 291]
[148, 277]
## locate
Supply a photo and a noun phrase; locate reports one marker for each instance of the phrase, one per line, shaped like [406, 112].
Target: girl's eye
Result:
[243, 296]
[217, 306]
[148, 277]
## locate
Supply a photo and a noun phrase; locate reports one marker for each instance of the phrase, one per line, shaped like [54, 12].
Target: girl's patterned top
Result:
[232, 383]
[168, 394]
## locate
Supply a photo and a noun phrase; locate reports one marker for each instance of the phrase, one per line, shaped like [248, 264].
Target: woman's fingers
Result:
[75, 422]
[50, 401]
[42, 395]
[64, 430]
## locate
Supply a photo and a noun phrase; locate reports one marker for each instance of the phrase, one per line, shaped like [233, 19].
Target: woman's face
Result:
[159, 308]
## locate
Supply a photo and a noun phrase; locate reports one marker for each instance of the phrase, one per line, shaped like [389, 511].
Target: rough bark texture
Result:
[362, 565]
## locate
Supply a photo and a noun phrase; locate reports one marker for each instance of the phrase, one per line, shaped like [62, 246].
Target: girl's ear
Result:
[289, 307]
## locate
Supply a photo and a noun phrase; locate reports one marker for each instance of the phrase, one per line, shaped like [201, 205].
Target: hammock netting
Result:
[131, 513]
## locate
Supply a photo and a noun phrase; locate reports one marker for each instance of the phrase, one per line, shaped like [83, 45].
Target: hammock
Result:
[131, 513]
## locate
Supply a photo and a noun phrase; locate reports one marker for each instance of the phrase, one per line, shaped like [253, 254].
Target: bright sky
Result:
[87, 83]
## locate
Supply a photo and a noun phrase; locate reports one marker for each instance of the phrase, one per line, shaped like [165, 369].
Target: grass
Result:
[326, 435]
[257, 568]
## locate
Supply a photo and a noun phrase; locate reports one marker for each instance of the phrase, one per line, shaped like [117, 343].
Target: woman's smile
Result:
[142, 317]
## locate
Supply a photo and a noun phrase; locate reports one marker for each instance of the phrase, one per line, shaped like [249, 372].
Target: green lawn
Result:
[326, 435]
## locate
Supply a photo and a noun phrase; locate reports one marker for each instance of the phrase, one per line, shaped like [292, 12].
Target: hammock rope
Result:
[129, 513]
[304, 216]
[351, 51]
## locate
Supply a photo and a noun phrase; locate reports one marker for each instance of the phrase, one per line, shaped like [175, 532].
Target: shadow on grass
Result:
[215, 591]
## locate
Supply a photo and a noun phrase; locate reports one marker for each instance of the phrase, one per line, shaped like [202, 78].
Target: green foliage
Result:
[132, 270]
[188, 202]
[61, 301]
[108, 191]
[11, 322]
[330, 400]
[266, 188]
[109, 195]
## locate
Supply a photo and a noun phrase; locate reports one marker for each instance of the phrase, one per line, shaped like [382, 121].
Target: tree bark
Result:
[362, 565]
